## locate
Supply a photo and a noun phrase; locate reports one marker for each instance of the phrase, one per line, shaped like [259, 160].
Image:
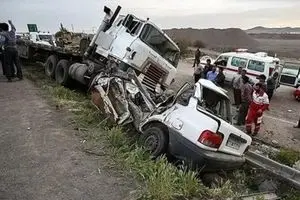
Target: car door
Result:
[289, 74]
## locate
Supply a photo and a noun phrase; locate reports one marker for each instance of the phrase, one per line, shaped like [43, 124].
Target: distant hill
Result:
[232, 37]
[283, 30]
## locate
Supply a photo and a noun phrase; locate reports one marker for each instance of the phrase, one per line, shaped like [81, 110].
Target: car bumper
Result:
[182, 148]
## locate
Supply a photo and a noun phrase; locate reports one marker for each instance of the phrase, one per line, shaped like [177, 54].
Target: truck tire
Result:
[50, 66]
[62, 72]
[155, 140]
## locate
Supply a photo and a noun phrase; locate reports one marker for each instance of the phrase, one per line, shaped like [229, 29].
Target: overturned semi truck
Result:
[127, 41]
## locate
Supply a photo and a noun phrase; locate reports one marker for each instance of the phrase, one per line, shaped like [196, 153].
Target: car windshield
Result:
[45, 37]
[291, 69]
[160, 43]
[216, 104]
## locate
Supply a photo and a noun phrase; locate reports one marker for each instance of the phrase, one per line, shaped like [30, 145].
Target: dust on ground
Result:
[40, 154]
[277, 124]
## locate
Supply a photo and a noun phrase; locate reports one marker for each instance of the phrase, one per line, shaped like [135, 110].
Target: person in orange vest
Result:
[259, 103]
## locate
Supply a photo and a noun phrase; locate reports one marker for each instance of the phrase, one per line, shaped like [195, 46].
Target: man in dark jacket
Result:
[246, 98]
[11, 56]
[197, 58]
[271, 85]
[220, 79]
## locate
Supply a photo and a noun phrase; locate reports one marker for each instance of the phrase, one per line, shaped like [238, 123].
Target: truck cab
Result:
[141, 45]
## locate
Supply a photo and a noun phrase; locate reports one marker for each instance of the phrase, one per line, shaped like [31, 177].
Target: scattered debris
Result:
[275, 142]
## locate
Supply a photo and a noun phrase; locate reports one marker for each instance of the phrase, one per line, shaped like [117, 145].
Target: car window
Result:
[256, 65]
[222, 60]
[239, 62]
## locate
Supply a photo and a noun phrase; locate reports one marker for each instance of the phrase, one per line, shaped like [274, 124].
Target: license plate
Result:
[232, 143]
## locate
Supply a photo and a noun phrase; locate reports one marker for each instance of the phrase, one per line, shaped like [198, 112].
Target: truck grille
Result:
[152, 77]
[287, 79]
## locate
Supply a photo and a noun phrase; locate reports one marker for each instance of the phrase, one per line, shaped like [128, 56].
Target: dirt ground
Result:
[40, 155]
[277, 123]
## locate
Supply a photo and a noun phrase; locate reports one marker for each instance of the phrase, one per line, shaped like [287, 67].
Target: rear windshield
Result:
[216, 104]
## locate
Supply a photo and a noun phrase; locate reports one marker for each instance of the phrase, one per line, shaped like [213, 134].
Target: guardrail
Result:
[282, 172]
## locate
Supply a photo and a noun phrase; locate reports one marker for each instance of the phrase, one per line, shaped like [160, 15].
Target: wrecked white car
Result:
[194, 125]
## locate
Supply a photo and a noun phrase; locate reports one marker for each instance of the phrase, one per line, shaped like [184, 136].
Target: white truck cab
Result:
[142, 45]
[255, 64]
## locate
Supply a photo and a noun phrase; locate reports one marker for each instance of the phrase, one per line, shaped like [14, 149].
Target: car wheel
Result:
[62, 72]
[155, 140]
[50, 66]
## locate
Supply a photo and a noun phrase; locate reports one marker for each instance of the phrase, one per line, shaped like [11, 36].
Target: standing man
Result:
[258, 105]
[271, 85]
[197, 73]
[246, 94]
[262, 79]
[208, 67]
[10, 52]
[220, 79]
[197, 58]
[236, 84]
[212, 75]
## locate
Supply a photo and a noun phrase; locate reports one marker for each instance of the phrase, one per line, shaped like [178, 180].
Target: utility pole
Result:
[72, 28]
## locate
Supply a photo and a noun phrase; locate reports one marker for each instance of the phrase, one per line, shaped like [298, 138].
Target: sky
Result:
[86, 15]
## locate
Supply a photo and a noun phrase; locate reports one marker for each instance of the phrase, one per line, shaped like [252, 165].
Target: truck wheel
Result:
[155, 140]
[50, 66]
[62, 72]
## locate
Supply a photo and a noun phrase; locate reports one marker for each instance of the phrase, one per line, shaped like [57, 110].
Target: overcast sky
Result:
[87, 14]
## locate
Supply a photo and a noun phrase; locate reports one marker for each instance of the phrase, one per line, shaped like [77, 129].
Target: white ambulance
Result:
[255, 64]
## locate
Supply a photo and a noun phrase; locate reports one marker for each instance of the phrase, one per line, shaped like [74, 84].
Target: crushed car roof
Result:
[210, 85]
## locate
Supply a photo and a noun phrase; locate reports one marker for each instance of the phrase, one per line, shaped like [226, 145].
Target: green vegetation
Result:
[287, 157]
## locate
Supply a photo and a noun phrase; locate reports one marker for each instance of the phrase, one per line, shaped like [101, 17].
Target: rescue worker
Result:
[246, 94]
[271, 85]
[197, 58]
[220, 79]
[262, 79]
[236, 84]
[208, 67]
[212, 75]
[258, 105]
[11, 56]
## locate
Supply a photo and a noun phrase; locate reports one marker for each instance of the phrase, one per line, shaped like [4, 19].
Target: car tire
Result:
[155, 140]
[50, 66]
[62, 72]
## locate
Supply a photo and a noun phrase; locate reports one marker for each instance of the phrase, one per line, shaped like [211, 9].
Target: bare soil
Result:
[41, 155]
